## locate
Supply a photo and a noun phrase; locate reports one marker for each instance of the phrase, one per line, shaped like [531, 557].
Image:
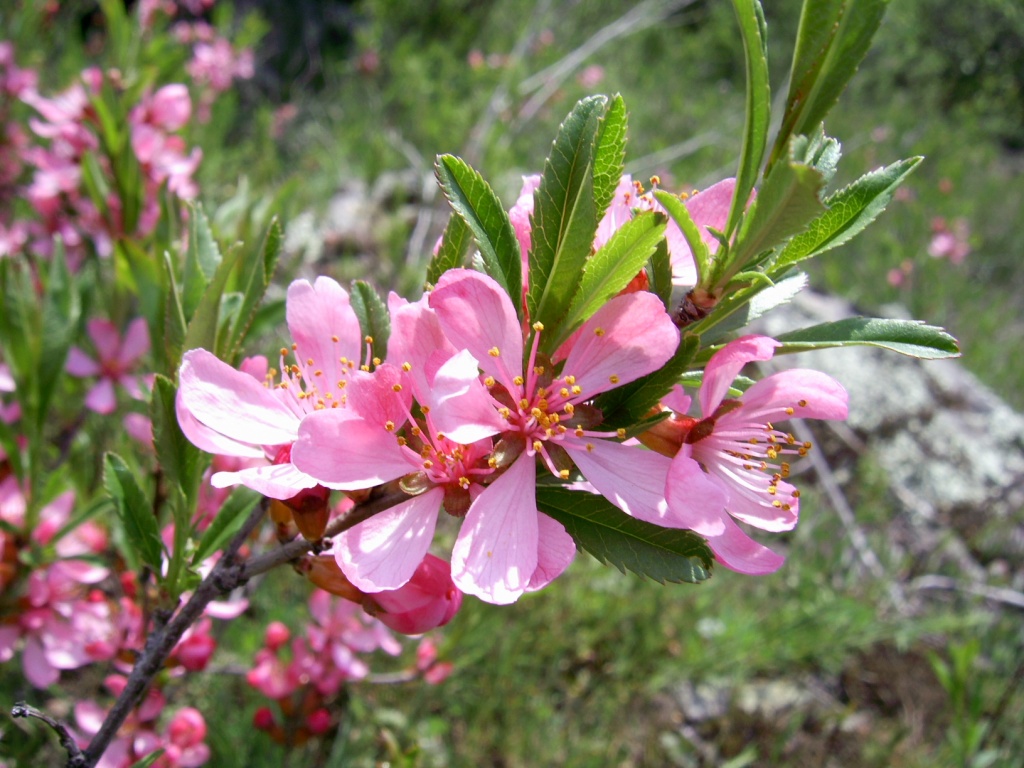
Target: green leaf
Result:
[149, 759]
[758, 109]
[60, 312]
[374, 320]
[626, 405]
[473, 199]
[609, 154]
[850, 210]
[908, 337]
[789, 199]
[256, 273]
[229, 519]
[451, 254]
[615, 538]
[680, 214]
[833, 37]
[743, 307]
[610, 269]
[201, 260]
[564, 218]
[174, 323]
[134, 509]
[659, 274]
[177, 457]
[202, 328]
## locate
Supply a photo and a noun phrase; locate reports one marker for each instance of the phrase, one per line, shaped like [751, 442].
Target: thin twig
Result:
[75, 757]
[227, 575]
[995, 594]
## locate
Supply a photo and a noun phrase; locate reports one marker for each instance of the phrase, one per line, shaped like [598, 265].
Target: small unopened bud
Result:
[263, 720]
[319, 721]
[324, 572]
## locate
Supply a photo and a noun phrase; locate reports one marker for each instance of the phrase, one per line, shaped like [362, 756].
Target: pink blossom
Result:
[428, 600]
[117, 357]
[728, 461]
[230, 412]
[950, 242]
[591, 76]
[505, 546]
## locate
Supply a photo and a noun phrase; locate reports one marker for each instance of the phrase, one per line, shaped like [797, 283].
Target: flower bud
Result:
[430, 599]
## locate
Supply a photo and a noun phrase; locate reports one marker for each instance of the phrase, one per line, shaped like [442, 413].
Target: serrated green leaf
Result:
[564, 218]
[819, 151]
[229, 519]
[613, 537]
[374, 320]
[788, 201]
[178, 458]
[609, 154]
[626, 405]
[758, 106]
[203, 326]
[257, 272]
[850, 210]
[659, 274]
[908, 337]
[201, 260]
[174, 323]
[610, 269]
[134, 509]
[680, 214]
[451, 254]
[473, 199]
[832, 39]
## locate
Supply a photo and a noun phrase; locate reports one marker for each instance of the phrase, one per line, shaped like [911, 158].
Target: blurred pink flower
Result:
[590, 77]
[117, 357]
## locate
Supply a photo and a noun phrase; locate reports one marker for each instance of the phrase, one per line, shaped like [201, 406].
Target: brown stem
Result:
[227, 574]
[75, 757]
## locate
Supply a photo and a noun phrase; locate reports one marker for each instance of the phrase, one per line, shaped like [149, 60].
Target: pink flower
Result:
[505, 546]
[230, 412]
[728, 463]
[117, 358]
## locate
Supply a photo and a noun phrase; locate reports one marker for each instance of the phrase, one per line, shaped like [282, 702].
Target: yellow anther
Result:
[364, 368]
[489, 381]
[802, 403]
[494, 352]
[492, 462]
[318, 372]
[590, 447]
[577, 389]
[309, 361]
[569, 380]
[613, 379]
[777, 504]
[564, 474]
[342, 383]
[406, 367]
[376, 361]
[795, 494]
[537, 445]
[464, 483]
[428, 464]
[578, 432]
[789, 411]
[518, 381]
[283, 351]
[538, 326]
[569, 408]
[294, 346]
[368, 339]
[621, 433]
[440, 436]
[538, 370]
[334, 339]
[599, 331]
[416, 431]
[389, 425]
[504, 412]
[402, 441]
[396, 387]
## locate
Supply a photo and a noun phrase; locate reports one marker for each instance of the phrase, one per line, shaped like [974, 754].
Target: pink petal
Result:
[384, 551]
[101, 397]
[233, 403]
[278, 481]
[316, 315]
[738, 552]
[725, 365]
[38, 671]
[695, 499]
[684, 268]
[105, 337]
[226, 609]
[346, 452]
[476, 314]
[9, 634]
[824, 397]
[136, 342]
[752, 504]
[416, 337]
[209, 440]
[627, 338]
[78, 364]
[677, 400]
[710, 208]
[461, 406]
[555, 551]
[496, 552]
[633, 479]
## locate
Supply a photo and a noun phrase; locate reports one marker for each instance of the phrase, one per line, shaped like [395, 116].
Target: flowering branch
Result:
[75, 757]
[227, 575]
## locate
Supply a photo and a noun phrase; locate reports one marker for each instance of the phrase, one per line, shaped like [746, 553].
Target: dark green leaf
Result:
[473, 199]
[229, 519]
[833, 37]
[758, 109]
[615, 538]
[202, 328]
[741, 308]
[60, 312]
[148, 760]
[178, 458]
[908, 337]
[564, 218]
[626, 405]
[609, 154]
[451, 254]
[174, 323]
[374, 320]
[610, 269]
[850, 210]
[134, 509]
[256, 273]
[659, 274]
[201, 261]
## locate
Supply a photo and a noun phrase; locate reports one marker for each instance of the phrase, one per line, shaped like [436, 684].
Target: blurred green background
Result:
[593, 670]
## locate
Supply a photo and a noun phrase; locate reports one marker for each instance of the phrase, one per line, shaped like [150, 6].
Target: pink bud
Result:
[171, 107]
[430, 599]
[319, 721]
[263, 720]
[277, 635]
[187, 728]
